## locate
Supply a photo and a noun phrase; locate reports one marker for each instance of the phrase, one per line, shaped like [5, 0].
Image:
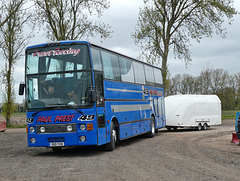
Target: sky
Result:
[122, 16]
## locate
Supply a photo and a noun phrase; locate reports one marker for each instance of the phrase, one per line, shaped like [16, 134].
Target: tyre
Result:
[113, 139]
[199, 127]
[152, 132]
[204, 127]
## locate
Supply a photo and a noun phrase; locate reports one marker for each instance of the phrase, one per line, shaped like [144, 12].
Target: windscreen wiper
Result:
[77, 110]
[65, 106]
[70, 106]
[43, 109]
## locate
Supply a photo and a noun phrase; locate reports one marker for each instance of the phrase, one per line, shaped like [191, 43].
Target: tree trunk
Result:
[9, 91]
[164, 63]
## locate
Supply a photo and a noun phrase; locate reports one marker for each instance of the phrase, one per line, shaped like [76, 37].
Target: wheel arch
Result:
[116, 125]
[155, 121]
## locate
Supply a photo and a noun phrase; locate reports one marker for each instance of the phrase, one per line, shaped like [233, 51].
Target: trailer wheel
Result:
[199, 127]
[204, 126]
[169, 128]
[152, 133]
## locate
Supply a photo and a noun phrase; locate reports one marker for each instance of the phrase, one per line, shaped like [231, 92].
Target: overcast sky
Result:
[122, 16]
[212, 52]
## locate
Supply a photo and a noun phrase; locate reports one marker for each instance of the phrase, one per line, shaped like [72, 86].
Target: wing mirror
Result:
[21, 88]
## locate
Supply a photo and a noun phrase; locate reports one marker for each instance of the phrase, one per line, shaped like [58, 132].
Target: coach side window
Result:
[160, 106]
[126, 69]
[97, 64]
[156, 105]
[110, 66]
[139, 73]
[149, 75]
[158, 77]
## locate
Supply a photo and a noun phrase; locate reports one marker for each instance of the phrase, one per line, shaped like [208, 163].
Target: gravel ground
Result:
[185, 154]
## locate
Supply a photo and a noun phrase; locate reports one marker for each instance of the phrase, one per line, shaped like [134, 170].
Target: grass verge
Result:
[229, 114]
[16, 126]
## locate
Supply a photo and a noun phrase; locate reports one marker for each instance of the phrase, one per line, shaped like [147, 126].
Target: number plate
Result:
[57, 144]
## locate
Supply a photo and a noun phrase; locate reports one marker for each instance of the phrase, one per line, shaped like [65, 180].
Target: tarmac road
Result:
[182, 155]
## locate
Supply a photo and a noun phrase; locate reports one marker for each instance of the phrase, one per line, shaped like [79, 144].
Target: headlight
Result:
[82, 127]
[32, 140]
[32, 129]
[42, 129]
[69, 128]
[82, 138]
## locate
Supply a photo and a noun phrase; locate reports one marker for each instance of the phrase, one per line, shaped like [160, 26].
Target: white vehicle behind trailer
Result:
[195, 111]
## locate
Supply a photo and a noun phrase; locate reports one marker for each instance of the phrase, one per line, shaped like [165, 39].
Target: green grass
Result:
[15, 126]
[16, 114]
[229, 114]
[19, 114]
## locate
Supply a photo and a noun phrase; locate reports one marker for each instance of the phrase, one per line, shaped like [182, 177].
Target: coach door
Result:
[161, 107]
[159, 111]
[100, 108]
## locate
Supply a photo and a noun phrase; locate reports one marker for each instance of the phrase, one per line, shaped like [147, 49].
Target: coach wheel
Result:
[204, 126]
[112, 144]
[152, 133]
[199, 127]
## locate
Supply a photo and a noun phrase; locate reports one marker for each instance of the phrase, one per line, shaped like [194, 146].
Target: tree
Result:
[166, 24]
[5, 17]
[237, 78]
[205, 79]
[188, 84]
[216, 80]
[12, 44]
[209, 81]
[174, 85]
[69, 19]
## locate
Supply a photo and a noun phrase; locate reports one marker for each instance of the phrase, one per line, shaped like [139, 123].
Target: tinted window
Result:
[149, 75]
[99, 88]
[160, 106]
[139, 73]
[110, 66]
[97, 64]
[158, 77]
[155, 101]
[126, 69]
[57, 59]
[58, 90]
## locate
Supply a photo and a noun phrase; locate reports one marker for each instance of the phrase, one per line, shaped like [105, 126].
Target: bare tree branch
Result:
[174, 22]
[12, 43]
[69, 19]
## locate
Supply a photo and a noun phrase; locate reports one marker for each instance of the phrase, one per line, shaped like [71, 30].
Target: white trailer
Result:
[195, 111]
